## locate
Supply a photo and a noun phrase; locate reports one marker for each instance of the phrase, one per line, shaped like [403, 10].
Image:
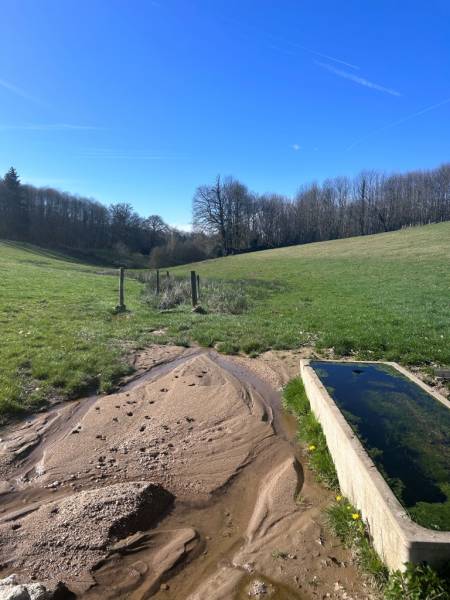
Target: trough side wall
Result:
[395, 537]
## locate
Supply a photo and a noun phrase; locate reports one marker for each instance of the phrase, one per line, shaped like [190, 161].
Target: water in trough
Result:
[405, 430]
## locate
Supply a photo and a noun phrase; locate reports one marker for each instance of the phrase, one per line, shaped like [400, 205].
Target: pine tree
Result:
[11, 180]
[18, 210]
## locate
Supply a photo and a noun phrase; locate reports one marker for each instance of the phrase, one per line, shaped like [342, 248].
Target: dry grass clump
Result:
[214, 296]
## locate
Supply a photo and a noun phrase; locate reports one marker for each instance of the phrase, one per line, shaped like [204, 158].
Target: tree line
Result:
[227, 217]
[51, 218]
[371, 202]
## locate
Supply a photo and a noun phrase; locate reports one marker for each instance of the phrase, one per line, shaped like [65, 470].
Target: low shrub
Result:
[224, 299]
[214, 297]
[173, 293]
[172, 296]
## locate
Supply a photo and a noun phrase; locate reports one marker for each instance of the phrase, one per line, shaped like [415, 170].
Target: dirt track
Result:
[187, 484]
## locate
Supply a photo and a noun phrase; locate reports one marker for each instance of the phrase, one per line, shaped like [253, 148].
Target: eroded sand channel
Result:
[185, 485]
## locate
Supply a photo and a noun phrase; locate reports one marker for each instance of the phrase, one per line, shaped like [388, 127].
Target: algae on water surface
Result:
[403, 428]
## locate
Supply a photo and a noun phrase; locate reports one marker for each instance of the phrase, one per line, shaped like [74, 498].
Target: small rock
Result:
[10, 580]
[17, 592]
[257, 589]
[37, 591]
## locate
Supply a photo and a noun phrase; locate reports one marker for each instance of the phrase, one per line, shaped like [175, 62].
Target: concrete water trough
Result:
[389, 436]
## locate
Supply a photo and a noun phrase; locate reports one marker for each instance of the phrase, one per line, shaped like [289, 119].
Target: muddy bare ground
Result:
[185, 485]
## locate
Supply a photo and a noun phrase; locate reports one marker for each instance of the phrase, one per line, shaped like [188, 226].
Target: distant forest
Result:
[227, 217]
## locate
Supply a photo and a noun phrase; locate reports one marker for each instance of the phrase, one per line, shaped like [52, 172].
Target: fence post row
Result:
[194, 288]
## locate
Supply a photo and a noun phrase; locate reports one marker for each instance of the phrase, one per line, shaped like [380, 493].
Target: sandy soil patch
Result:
[86, 487]
[154, 355]
[190, 430]
[276, 367]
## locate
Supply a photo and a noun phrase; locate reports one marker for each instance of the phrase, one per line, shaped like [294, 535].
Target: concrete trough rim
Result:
[437, 396]
[403, 522]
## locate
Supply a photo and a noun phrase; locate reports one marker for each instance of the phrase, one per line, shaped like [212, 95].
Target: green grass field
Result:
[383, 296]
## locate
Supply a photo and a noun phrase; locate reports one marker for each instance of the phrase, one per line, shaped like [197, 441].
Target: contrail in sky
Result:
[400, 121]
[357, 79]
[16, 90]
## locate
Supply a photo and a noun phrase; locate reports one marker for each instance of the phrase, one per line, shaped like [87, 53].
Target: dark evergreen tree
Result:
[11, 180]
[17, 206]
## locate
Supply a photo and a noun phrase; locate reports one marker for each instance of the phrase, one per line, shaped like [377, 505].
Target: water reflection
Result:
[404, 429]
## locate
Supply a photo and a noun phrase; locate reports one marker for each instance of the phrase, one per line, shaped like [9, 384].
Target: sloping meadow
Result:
[375, 297]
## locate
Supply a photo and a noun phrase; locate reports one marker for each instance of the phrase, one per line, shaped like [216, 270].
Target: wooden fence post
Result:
[198, 287]
[194, 289]
[167, 275]
[157, 282]
[121, 306]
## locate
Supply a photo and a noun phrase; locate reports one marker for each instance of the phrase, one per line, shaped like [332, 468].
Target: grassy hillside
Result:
[59, 334]
[384, 295]
[379, 296]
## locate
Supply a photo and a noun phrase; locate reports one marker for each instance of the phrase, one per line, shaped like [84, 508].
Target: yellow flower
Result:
[338, 498]
[355, 516]
[311, 448]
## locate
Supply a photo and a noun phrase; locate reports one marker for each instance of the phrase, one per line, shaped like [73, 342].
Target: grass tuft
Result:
[310, 432]
[214, 296]
[253, 346]
[345, 522]
[227, 348]
[418, 582]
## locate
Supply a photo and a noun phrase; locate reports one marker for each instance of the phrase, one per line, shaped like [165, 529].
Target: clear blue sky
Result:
[141, 101]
